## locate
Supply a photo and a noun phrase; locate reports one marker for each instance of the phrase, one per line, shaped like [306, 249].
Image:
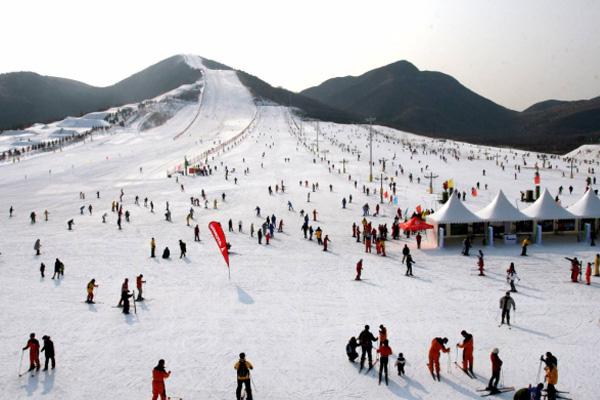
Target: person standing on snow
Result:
[366, 340]
[351, 349]
[419, 238]
[496, 368]
[243, 368]
[42, 269]
[37, 247]
[405, 252]
[159, 374]
[400, 363]
[467, 346]
[182, 249]
[437, 345]
[34, 352]
[551, 380]
[126, 303]
[139, 282]
[326, 242]
[506, 302]
[574, 269]
[48, 350]
[385, 351]
[409, 263]
[90, 291]
[524, 245]
[152, 248]
[359, 268]
[124, 292]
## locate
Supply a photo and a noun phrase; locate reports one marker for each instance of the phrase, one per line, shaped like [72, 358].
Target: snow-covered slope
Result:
[290, 306]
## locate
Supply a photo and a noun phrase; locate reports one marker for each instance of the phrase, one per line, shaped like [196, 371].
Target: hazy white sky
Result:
[515, 52]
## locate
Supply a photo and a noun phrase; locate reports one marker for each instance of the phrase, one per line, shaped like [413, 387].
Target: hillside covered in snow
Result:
[289, 305]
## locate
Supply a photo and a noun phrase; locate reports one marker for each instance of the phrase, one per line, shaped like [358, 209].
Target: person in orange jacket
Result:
[467, 346]
[34, 352]
[385, 351]
[382, 333]
[588, 273]
[551, 381]
[437, 345]
[359, 268]
[159, 374]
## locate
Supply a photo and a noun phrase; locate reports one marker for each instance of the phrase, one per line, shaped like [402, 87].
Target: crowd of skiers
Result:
[364, 342]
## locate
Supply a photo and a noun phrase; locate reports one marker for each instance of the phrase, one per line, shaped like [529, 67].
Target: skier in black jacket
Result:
[366, 340]
[182, 248]
[48, 350]
[351, 349]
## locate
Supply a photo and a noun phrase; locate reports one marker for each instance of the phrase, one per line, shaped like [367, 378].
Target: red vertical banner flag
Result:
[536, 179]
[217, 232]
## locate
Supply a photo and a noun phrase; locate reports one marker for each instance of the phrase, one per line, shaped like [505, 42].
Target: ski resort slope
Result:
[290, 306]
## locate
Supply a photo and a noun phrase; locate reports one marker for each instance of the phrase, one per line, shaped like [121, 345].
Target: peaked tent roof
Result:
[588, 206]
[546, 208]
[453, 212]
[500, 210]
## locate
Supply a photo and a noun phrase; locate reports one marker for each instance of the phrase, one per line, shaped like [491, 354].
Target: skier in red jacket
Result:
[467, 346]
[359, 268]
[496, 368]
[159, 374]
[34, 352]
[437, 345]
[385, 351]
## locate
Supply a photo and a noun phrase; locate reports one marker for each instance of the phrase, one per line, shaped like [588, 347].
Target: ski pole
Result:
[449, 362]
[21, 362]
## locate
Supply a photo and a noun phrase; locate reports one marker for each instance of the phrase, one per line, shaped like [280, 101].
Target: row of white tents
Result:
[500, 210]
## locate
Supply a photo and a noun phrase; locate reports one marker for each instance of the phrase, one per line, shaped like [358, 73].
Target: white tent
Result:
[500, 210]
[588, 206]
[545, 208]
[453, 212]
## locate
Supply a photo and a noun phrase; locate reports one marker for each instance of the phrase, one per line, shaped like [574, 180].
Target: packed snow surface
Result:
[290, 306]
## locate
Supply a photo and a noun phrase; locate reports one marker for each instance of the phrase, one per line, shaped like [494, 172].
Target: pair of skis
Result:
[495, 391]
[469, 373]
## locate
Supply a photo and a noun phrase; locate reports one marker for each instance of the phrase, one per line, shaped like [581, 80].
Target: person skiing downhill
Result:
[243, 368]
[437, 345]
[159, 374]
[48, 350]
[34, 352]
[511, 277]
[90, 291]
[506, 302]
[496, 368]
[366, 340]
[467, 346]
